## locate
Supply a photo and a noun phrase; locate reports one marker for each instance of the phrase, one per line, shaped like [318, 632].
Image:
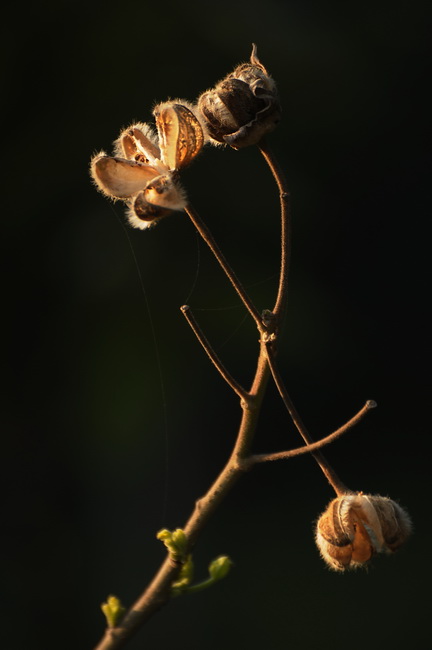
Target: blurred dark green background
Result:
[99, 454]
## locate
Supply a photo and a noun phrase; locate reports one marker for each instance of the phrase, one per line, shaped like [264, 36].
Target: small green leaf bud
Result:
[185, 577]
[175, 541]
[220, 567]
[113, 610]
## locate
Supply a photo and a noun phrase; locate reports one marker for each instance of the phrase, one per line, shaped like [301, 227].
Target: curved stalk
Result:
[312, 447]
[284, 197]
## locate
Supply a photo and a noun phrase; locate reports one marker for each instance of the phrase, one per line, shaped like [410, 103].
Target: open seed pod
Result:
[161, 197]
[355, 527]
[137, 142]
[181, 136]
[144, 169]
[120, 178]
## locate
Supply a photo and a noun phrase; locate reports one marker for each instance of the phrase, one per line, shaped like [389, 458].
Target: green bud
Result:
[113, 610]
[185, 577]
[220, 567]
[175, 541]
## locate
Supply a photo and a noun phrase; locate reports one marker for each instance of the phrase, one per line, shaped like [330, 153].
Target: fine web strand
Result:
[166, 481]
[238, 305]
[198, 265]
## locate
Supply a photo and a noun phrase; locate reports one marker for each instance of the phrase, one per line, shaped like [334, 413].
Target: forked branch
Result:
[313, 447]
[325, 466]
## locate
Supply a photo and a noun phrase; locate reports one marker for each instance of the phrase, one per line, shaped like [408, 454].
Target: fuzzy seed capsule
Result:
[355, 527]
[137, 142]
[144, 169]
[120, 178]
[181, 136]
[243, 107]
[159, 199]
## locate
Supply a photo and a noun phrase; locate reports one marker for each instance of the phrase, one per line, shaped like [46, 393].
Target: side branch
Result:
[237, 388]
[208, 238]
[314, 446]
[325, 466]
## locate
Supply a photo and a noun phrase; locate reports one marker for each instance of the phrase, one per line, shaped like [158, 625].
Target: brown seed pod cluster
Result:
[355, 527]
[143, 170]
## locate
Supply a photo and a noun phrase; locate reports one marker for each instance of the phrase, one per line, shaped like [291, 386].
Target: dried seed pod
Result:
[143, 173]
[395, 522]
[120, 178]
[243, 107]
[143, 214]
[355, 527]
[137, 142]
[161, 197]
[181, 135]
[165, 193]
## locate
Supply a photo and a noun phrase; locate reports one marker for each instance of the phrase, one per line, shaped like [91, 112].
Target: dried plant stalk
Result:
[239, 111]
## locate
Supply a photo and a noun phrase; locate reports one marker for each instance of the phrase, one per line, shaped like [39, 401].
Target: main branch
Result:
[158, 592]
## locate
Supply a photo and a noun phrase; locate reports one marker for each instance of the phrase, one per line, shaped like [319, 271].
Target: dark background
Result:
[115, 421]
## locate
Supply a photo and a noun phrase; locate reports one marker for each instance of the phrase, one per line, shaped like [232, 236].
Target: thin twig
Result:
[237, 388]
[314, 446]
[325, 466]
[209, 240]
[284, 197]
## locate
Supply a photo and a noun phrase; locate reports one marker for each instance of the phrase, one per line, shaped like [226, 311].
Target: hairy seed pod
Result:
[137, 142]
[181, 135]
[355, 527]
[120, 178]
[143, 171]
[243, 107]
[161, 197]
[143, 215]
[166, 193]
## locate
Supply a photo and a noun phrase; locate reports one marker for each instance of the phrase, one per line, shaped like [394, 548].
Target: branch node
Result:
[198, 504]
[247, 403]
[268, 337]
[241, 464]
